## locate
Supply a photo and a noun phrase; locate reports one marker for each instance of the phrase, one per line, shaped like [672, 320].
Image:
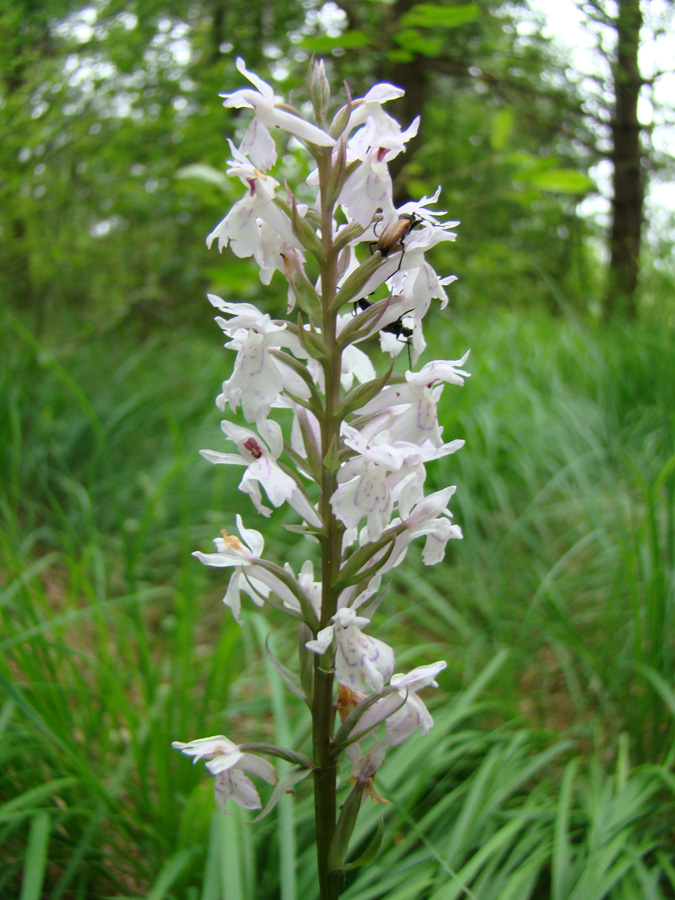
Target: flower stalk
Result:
[351, 458]
[323, 711]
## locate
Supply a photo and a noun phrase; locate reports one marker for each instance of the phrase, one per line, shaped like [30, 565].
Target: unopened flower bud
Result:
[318, 89]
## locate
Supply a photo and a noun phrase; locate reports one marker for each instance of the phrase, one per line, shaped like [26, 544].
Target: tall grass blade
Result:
[35, 859]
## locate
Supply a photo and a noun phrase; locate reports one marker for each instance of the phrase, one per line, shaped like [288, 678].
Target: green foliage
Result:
[427, 15]
[549, 771]
[106, 123]
[104, 119]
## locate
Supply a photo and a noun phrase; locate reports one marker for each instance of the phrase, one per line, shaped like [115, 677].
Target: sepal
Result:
[341, 118]
[304, 530]
[311, 443]
[338, 173]
[347, 233]
[358, 278]
[306, 658]
[290, 679]
[302, 371]
[318, 89]
[312, 342]
[306, 295]
[363, 393]
[352, 571]
[331, 459]
[344, 736]
[344, 829]
[371, 319]
[284, 786]
[369, 572]
[344, 258]
[363, 324]
[371, 850]
[305, 233]
[306, 612]
[302, 465]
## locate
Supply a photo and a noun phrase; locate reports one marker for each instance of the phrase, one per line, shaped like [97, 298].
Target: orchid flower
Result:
[258, 142]
[360, 661]
[228, 764]
[249, 575]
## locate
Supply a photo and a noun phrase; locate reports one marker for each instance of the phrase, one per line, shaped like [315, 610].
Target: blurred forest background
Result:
[549, 773]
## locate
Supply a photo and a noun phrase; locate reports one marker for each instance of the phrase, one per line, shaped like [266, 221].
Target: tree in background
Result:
[622, 29]
[104, 108]
[503, 134]
[101, 108]
[626, 155]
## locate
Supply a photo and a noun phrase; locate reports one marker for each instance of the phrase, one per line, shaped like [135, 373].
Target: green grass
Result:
[549, 773]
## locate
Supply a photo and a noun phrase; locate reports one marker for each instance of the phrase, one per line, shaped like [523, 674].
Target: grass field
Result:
[549, 773]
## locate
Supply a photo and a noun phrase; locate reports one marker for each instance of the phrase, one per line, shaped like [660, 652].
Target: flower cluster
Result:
[344, 447]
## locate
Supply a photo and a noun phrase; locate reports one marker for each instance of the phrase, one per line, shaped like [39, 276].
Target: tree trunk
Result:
[628, 184]
[412, 76]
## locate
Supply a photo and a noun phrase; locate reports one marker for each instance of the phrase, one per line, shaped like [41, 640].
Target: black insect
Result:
[397, 328]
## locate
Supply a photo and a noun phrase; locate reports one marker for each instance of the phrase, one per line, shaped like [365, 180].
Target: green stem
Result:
[323, 708]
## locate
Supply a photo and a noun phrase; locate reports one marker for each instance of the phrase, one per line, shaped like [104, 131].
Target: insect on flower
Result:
[401, 332]
[397, 327]
[393, 235]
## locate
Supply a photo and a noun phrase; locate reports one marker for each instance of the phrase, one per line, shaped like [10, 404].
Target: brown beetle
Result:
[393, 235]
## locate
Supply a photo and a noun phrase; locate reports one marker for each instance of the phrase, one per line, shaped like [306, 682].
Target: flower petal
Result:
[239, 787]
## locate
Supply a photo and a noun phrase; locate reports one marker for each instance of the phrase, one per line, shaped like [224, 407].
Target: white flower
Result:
[369, 187]
[404, 718]
[370, 109]
[360, 661]
[263, 469]
[248, 576]
[386, 470]
[311, 588]
[355, 363]
[405, 270]
[258, 143]
[366, 495]
[275, 253]
[412, 406]
[419, 422]
[440, 370]
[418, 281]
[240, 227]
[405, 332]
[355, 596]
[363, 490]
[228, 764]
[429, 517]
[305, 432]
[415, 279]
[257, 377]
[413, 714]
